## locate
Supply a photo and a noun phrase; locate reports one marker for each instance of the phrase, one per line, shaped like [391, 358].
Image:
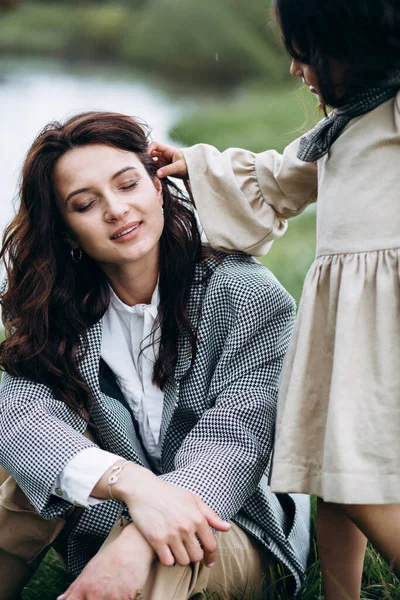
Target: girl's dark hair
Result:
[363, 36]
[51, 301]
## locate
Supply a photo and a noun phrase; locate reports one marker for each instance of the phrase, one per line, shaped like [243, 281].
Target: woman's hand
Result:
[117, 572]
[170, 159]
[172, 520]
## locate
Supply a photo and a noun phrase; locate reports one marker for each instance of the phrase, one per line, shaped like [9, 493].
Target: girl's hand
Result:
[172, 520]
[117, 572]
[170, 160]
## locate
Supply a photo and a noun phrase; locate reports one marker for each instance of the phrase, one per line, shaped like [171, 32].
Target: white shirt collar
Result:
[117, 303]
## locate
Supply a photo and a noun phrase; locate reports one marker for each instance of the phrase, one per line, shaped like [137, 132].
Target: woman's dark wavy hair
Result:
[362, 35]
[51, 302]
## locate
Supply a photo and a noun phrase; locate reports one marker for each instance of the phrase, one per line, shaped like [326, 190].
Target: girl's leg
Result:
[381, 525]
[341, 548]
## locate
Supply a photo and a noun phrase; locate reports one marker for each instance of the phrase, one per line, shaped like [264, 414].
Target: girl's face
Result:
[309, 76]
[307, 73]
[110, 205]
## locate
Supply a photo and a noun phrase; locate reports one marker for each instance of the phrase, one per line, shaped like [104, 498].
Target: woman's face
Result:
[110, 205]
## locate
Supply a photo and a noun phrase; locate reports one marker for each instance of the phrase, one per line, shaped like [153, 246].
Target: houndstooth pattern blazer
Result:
[217, 425]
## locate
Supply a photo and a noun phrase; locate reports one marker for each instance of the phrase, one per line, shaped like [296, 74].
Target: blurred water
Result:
[31, 95]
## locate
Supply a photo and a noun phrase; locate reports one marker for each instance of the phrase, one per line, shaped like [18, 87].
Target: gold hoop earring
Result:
[76, 254]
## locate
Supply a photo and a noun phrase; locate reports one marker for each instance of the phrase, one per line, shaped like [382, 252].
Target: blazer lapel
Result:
[171, 391]
[116, 428]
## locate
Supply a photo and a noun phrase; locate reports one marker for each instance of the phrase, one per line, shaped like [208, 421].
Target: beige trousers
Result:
[241, 563]
[242, 568]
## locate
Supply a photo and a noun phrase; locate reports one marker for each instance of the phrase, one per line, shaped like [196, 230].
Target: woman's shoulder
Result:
[243, 279]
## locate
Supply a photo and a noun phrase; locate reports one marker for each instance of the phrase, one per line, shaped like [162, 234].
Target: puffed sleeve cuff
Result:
[244, 199]
[78, 478]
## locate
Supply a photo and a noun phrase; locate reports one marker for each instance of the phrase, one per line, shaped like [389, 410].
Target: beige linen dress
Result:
[338, 423]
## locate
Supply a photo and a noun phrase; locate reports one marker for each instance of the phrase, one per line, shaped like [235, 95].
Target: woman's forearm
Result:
[126, 481]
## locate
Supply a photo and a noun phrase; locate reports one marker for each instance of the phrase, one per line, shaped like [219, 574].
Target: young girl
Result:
[338, 424]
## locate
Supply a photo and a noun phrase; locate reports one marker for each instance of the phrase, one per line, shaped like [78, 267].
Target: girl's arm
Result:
[243, 199]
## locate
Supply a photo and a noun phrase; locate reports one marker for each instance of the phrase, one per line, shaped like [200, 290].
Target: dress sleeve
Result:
[244, 199]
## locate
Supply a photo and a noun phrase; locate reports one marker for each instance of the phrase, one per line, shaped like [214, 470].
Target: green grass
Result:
[379, 583]
[49, 581]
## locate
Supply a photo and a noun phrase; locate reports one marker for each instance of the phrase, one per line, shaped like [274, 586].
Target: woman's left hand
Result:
[117, 572]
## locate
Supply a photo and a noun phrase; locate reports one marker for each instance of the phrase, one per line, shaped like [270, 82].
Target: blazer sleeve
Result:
[39, 435]
[244, 199]
[225, 455]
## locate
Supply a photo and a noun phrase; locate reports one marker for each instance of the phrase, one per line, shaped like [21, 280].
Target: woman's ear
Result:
[158, 186]
[69, 240]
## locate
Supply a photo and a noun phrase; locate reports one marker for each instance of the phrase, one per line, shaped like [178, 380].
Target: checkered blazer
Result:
[217, 425]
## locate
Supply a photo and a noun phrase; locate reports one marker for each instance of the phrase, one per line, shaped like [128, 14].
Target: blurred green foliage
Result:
[291, 256]
[218, 43]
[257, 118]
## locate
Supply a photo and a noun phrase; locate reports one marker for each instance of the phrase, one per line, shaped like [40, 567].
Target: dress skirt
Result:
[338, 423]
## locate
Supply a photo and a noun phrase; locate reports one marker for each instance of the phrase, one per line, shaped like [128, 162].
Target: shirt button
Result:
[59, 492]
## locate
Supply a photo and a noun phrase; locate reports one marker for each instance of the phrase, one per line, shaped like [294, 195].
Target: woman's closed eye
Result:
[129, 186]
[83, 208]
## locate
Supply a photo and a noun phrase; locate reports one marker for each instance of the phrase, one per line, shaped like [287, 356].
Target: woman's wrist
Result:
[130, 480]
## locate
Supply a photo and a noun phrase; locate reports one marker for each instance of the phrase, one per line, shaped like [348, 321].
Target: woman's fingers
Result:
[193, 549]
[213, 519]
[208, 542]
[181, 554]
[164, 553]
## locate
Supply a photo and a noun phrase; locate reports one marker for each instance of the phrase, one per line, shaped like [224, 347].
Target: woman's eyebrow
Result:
[75, 192]
[123, 171]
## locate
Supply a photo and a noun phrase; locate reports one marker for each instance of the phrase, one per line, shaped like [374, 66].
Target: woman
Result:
[122, 328]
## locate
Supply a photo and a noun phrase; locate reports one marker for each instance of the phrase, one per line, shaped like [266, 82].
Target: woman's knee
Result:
[24, 533]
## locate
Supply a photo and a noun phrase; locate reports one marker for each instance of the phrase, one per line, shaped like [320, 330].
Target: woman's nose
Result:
[115, 208]
[296, 69]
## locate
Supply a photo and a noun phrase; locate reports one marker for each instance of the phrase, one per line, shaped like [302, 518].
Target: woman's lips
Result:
[127, 233]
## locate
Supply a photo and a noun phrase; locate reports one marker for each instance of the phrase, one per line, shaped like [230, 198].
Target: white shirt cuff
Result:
[78, 478]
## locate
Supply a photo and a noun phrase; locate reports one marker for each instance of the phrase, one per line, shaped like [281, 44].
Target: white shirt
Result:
[128, 350]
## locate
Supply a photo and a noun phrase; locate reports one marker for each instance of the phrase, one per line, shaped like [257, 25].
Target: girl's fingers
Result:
[176, 169]
[170, 159]
[162, 151]
[159, 147]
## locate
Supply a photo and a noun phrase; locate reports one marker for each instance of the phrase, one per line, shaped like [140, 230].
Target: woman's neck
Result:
[134, 283]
